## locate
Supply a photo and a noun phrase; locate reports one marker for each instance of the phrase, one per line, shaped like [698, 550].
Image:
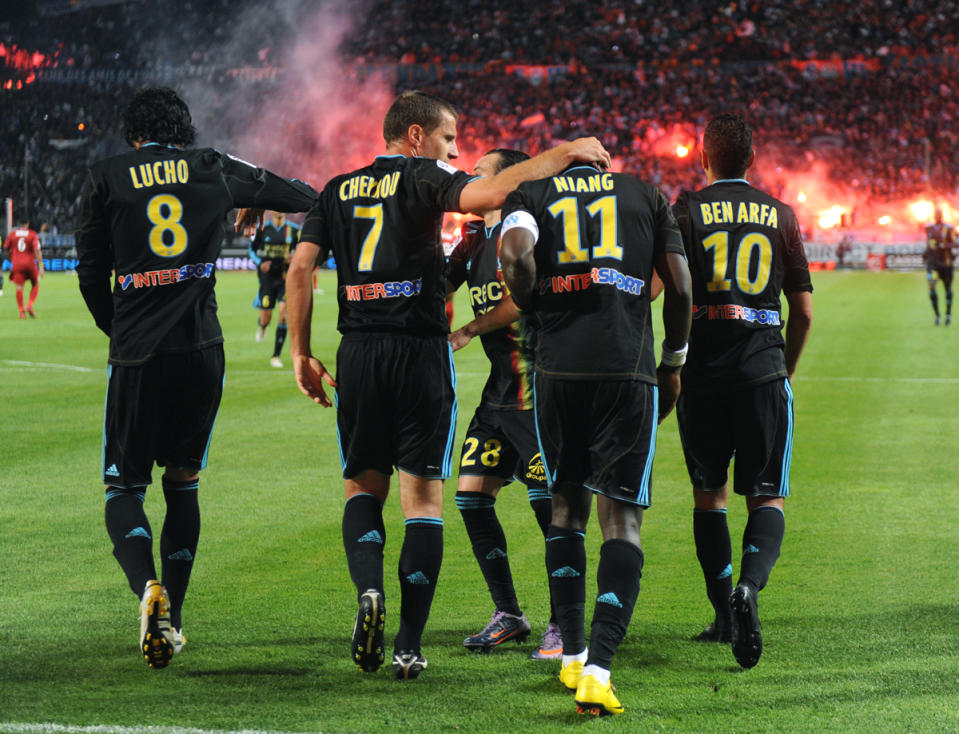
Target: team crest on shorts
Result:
[536, 471]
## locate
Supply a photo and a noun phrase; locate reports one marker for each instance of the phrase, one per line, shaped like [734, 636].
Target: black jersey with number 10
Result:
[383, 225]
[599, 236]
[744, 249]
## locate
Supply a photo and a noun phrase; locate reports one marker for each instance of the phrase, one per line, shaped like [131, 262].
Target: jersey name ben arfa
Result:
[599, 236]
[475, 261]
[744, 249]
[382, 223]
[157, 217]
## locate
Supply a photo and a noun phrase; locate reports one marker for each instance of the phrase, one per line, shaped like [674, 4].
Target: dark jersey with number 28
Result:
[599, 236]
[157, 217]
[383, 224]
[744, 249]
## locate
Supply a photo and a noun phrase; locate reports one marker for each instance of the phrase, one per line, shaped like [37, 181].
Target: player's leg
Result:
[486, 464]
[707, 447]
[364, 538]
[281, 329]
[264, 303]
[424, 426]
[128, 456]
[18, 279]
[763, 456]
[622, 446]
[184, 438]
[34, 278]
[946, 277]
[933, 296]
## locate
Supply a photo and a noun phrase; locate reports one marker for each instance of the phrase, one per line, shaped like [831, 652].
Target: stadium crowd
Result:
[639, 75]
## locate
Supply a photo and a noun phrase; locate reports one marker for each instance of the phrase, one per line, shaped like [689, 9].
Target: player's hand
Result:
[669, 387]
[248, 221]
[590, 150]
[310, 376]
[265, 266]
[459, 339]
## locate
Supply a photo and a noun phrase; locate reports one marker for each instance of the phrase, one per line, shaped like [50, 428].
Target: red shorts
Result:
[21, 275]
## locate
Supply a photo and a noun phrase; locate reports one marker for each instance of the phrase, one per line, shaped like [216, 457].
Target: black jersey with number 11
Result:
[599, 236]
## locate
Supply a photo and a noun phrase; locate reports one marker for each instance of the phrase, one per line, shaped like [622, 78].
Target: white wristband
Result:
[672, 358]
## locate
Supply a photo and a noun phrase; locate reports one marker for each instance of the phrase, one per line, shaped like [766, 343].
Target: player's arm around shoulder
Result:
[310, 372]
[485, 194]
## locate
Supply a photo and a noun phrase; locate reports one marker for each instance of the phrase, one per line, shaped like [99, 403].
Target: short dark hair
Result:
[158, 115]
[507, 157]
[728, 143]
[415, 108]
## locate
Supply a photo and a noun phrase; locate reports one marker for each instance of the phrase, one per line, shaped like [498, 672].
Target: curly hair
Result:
[158, 115]
[728, 143]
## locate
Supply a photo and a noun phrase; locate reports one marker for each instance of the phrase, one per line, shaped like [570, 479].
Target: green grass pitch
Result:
[861, 616]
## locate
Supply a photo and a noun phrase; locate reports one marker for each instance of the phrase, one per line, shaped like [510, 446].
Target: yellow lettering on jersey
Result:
[582, 186]
[594, 184]
[561, 183]
[367, 187]
[753, 213]
[707, 213]
[159, 173]
[742, 215]
[607, 182]
[727, 209]
[483, 294]
[773, 219]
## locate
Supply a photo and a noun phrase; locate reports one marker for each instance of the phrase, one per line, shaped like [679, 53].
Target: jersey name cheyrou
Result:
[167, 276]
[367, 187]
[725, 212]
[159, 173]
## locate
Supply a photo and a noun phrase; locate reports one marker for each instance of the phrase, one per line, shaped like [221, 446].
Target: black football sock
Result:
[132, 538]
[762, 540]
[489, 547]
[280, 338]
[566, 565]
[948, 303]
[363, 539]
[419, 569]
[714, 550]
[617, 582]
[542, 504]
[934, 297]
[178, 541]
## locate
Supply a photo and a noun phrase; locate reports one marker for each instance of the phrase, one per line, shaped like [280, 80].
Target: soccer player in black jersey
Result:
[270, 251]
[578, 252]
[744, 249]
[500, 444]
[156, 216]
[938, 256]
[396, 405]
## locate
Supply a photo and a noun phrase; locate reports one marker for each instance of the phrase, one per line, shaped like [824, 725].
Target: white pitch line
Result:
[54, 365]
[12, 728]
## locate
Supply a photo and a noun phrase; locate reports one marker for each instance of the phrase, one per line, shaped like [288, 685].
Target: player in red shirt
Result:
[26, 263]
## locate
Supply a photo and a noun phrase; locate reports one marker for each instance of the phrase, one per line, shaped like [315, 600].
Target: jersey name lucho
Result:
[159, 173]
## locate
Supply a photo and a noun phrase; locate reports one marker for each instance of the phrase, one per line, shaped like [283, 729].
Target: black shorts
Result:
[944, 272]
[601, 435]
[162, 411]
[502, 443]
[754, 424]
[272, 291]
[395, 404]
